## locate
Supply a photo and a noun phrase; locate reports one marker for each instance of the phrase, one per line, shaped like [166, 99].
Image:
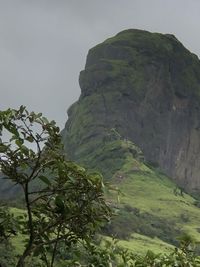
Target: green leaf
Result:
[71, 178]
[59, 202]
[38, 115]
[44, 120]
[44, 179]
[30, 139]
[12, 129]
[25, 150]
[19, 142]
[21, 109]
[3, 148]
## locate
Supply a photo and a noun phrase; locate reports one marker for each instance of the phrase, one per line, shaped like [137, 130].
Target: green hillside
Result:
[137, 88]
[152, 212]
[141, 88]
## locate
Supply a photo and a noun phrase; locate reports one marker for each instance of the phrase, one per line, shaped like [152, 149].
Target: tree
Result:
[63, 203]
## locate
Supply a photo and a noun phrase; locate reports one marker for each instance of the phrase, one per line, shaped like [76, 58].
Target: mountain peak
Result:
[147, 86]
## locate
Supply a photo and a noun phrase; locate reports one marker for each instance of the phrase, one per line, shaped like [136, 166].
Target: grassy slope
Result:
[18, 241]
[152, 192]
[86, 132]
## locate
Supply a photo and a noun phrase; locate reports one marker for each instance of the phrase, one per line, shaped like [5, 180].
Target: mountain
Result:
[8, 189]
[146, 88]
[136, 121]
[152, 212]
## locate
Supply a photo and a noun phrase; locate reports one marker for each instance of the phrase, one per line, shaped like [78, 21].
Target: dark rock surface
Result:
[146, 86]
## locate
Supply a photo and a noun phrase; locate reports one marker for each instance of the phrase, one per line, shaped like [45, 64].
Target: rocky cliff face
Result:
[147, 87]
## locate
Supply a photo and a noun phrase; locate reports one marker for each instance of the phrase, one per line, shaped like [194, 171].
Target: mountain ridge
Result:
[136, 104]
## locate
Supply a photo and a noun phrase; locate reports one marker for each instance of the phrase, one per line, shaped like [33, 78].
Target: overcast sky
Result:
[44, 43]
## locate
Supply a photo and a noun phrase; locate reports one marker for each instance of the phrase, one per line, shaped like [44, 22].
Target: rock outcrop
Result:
[147, 87]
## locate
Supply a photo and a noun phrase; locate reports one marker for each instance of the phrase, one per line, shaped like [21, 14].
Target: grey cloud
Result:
[44, 43]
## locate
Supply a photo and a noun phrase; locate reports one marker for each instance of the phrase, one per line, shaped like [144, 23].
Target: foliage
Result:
[65, 205]
[135, 221]
[110, 254]
[63, 202]
[7, 255]
[8, 224]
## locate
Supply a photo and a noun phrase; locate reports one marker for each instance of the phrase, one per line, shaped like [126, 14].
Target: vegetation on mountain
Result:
[137, 120]
[146, 86]
[65, 206]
